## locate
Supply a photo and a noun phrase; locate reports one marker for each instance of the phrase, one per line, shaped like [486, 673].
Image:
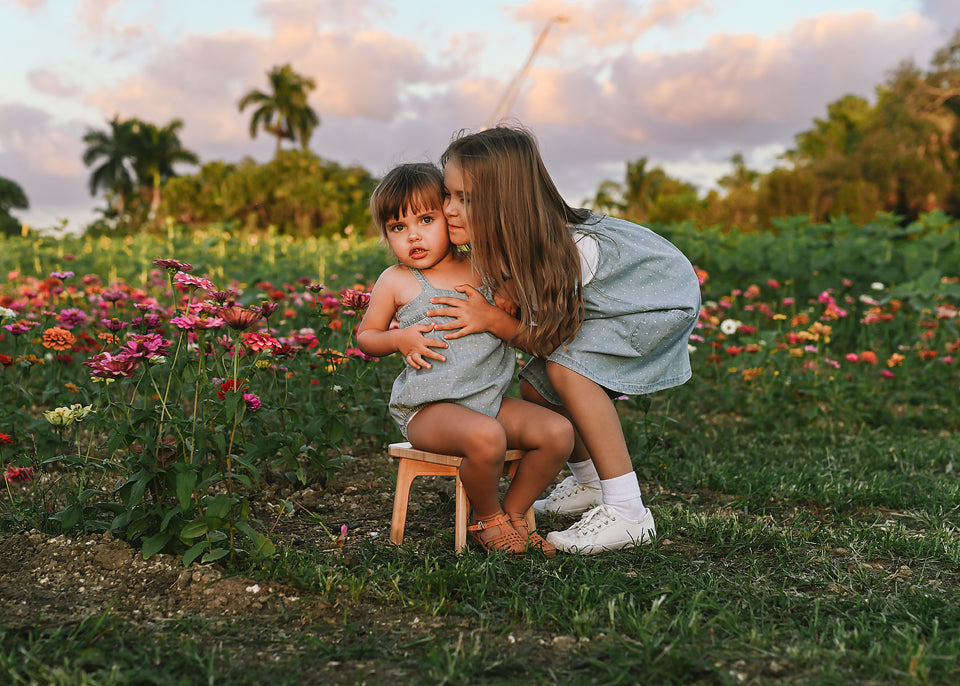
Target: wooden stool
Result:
[412, 463]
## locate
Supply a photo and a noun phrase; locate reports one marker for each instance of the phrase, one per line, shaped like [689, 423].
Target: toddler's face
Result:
[419, 239]
[456, 200]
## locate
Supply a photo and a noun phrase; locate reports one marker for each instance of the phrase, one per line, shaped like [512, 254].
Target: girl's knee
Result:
[486, 442]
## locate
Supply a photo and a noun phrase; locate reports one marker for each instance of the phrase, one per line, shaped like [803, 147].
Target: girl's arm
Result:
[375, 337]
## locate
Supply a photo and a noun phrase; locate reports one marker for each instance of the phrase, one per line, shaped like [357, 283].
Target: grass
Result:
[801, 558]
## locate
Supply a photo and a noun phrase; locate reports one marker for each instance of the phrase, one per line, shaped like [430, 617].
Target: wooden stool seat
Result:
[412, 463]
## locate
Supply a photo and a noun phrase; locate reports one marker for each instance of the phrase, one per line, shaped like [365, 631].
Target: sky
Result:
[683, 83]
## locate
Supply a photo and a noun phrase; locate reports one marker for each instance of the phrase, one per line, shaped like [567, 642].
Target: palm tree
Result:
[116, 173]
[11, 197]
[284, 112]
[158, 149]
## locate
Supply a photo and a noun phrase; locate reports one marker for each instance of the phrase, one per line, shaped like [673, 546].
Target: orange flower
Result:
[895, 360]
[56, 338]
[868, 356]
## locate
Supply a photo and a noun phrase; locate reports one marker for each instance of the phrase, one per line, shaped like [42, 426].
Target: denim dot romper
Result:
[476, 374]
[639, 311]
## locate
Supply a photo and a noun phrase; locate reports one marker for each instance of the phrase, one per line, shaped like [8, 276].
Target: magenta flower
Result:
[191, 322]
[72, 317]
[173, 265]
[60, 275]
[252, 401]
[146, 346]
[354, 300]
[20, 328]
[107, 366]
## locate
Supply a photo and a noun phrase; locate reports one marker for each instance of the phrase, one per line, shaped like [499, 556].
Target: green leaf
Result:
[191, 530]
[68, 517]
[194, 551]
[154, 544]
[219, 506]
[214, 555]
[186, 481]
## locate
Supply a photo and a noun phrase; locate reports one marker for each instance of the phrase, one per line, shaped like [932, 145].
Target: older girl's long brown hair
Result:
[519, 226]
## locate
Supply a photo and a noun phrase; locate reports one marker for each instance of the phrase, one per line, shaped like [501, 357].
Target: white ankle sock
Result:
[623, 493]
[585, 473]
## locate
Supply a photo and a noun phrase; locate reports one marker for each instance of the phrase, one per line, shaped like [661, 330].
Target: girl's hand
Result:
[508, 306]
[415, 347]
[473, 315]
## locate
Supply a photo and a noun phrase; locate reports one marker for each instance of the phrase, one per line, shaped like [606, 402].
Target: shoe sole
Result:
[593, 550]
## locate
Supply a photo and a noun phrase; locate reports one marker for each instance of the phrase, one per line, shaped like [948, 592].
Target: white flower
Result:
[877, 286]
[7, 313]
[691, 348]
[730, 326]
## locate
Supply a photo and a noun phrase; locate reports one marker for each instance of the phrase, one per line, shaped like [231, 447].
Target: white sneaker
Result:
[604, 528]
[569, 498]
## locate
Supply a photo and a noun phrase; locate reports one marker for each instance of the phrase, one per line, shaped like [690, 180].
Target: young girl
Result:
[449, 398]
[606, 306]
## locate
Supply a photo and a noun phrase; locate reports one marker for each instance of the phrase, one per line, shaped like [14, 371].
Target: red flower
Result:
[229, 385]
[18, 473]
[6, 438]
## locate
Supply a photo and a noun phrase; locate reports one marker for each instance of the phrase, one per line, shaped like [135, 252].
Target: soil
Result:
[54, 580]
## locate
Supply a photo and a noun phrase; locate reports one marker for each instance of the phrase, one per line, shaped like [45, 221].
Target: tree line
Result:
[899, 155]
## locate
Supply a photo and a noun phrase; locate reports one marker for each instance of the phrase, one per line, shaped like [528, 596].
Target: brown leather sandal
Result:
[507, 540]
[534, 541]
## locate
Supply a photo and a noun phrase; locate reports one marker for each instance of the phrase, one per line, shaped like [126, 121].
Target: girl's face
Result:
[419, 239]
[456, 200]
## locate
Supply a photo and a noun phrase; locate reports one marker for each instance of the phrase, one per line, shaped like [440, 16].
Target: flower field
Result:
[148, 384]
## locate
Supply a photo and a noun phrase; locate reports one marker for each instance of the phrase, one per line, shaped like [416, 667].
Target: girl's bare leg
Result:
[595, 418]
[529, 393]
[547, 437]
[481, 440]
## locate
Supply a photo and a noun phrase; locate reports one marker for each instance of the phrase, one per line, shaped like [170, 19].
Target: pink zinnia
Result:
[107, 366]
[190, 281]
[260, 341]
[354, 300]
[72, 317]
[252, 401]
[146, 346]
[173, 265]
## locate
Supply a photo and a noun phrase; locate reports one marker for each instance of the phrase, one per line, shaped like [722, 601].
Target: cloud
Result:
[46, 81]
[44, 158]
[945, 13]
[737, 90]
[606, 23]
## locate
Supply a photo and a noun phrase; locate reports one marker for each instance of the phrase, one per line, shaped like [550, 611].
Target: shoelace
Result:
[587, 523]
[568, 490]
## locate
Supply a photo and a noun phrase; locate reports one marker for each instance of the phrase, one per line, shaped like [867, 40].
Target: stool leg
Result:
[401, 498]
[462, 513]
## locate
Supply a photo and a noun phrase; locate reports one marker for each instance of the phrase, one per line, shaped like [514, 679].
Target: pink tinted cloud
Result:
[49, 82]
[605, 22]
[742, 87]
